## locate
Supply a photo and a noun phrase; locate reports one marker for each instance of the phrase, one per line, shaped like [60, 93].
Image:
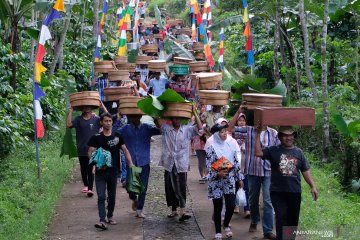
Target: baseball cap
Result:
[286, 130]
[220, 120]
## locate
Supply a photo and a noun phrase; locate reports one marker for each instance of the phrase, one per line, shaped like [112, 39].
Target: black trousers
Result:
[175, 188]
[86, 172]
[287, 212]
[229, 206]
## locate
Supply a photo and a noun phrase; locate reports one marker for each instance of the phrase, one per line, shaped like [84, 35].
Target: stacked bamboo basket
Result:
[128, 105]
[157, 65]
[181, 110]
[87, 98]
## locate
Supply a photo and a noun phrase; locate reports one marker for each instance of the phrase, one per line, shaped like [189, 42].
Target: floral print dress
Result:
[217, 187]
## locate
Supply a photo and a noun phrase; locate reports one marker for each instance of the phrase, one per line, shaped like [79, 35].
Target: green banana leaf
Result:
[224, 23]
[68, 145]
[158, 17]
[279, 89]
[178, 49]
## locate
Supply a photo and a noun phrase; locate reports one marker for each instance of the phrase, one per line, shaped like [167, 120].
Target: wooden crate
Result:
[281, 116]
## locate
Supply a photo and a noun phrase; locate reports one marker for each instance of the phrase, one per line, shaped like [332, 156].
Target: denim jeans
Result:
[123, 173]
[255, 184]
[106, 180]
[144, 175]
[246, 189]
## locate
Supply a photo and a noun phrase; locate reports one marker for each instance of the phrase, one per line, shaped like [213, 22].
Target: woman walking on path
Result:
[223, 181]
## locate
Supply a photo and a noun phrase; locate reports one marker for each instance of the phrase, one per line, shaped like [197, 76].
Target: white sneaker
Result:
[228, 232]
[218, 236]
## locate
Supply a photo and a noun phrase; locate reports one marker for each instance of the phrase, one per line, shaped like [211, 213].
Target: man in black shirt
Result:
[287, 161]
[106, 177]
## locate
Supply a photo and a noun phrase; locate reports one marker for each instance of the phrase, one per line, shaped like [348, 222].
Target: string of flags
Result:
[98, 41]
[45, 35]
[247, 34]
[123, 23]
[221, 50]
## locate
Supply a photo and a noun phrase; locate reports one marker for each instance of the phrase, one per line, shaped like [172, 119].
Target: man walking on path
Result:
[85, 125]
[175, 160]
[287, 161]
[106, 175]
[258, 172]
[137, 138]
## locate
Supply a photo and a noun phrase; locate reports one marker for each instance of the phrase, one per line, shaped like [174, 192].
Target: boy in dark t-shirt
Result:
[106, 178]
[287, 161]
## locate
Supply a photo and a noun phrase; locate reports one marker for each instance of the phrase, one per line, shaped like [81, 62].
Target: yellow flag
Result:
[246, 16]
[59, 5]
[39, 69]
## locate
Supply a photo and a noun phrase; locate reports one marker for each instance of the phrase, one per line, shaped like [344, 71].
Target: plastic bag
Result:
[240, 198]
[134, 183]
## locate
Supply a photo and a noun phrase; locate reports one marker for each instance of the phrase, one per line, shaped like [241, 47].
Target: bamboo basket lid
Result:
[114, 93]
[157, 63]
[214, 102]
[183, 110]
[182, 61]
[118, 75]
[120, 59]
[128, 105]
[198, 46]
[214, 94]
[254, 100]
[104, 66]
[87, 98]
[143, 59]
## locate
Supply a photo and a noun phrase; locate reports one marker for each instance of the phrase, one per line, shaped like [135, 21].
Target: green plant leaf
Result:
[340, 123]
[279, 89]
[224, 23]
[33, 32]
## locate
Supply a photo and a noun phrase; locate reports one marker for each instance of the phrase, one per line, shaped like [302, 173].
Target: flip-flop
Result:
[111, 222]
[184, 217]
[173, 214]
[101, 225]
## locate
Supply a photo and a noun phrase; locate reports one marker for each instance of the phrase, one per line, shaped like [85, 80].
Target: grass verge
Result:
[26, 202]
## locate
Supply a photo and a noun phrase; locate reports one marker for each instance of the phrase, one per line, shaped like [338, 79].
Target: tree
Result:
[12, 11]
[306, 49]
[326, 131]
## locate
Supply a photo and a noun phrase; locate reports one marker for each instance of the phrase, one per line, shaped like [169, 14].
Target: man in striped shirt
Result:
[259, 173]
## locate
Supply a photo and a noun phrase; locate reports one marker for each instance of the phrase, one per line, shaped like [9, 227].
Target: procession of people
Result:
[233, 156]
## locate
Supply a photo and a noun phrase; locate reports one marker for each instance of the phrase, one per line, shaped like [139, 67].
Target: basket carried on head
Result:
[200, 66]
[181, 110]
[209, 80]
[158, 36]
[157, 65]
[182, 61]
[150, 48]
[186, 31]
[114, 93]
[118, 75]
[120, 60]
[83, 99]
[128, 66]
[214, 97]
[128, 105]
[104, 66]
[143, 60]
[198, 46]
[179, 70]
[199, 56]
[254, 100]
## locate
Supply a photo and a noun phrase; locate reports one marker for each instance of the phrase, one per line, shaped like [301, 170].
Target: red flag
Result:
[248, 45]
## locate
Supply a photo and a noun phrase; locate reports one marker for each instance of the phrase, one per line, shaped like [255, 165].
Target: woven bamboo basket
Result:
[114, 93]
[179, 22]
[120, 59]
[141, 20]
[254, 100]
[87, 98]
[214, 97]
[128, 105]
[104, 66]
[198, 46]
[172, 23]
[118, 75]
[186, 31]
[182, 61]
[130, 67]
[158, 36]
[209, 81]
[157, 65]
[150, 48]
[200, 66]
[182, 110]
[199, 56]
[143, 59]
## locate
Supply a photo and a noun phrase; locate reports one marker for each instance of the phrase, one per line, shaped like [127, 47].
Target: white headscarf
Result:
[225, 148]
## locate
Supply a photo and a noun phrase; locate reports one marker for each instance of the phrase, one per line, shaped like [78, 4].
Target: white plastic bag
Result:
[240, 198]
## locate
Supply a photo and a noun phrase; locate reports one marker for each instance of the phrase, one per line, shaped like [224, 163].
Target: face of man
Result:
[157, 76]
[287, 140]
[216, 108]
[176, 122]
[135, 120]
[107, 123]
[86, 109]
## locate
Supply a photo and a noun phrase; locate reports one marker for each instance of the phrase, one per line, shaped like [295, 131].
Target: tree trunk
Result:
[357, 61]
[276, 46]
[33, 41]
[61, 59]
[60, 45]
[82, 22]
[326, 134]
[96, 18]
[306, 50]
[14, 39]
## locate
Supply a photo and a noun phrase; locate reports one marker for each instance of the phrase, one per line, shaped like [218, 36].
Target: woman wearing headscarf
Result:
[222, 181]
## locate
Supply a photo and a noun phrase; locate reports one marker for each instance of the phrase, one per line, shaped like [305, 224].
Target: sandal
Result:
[111, 222]
[172, 214]
[184, 217]
[101, 225]
[228, 232]
[140, 215]
[218, 236]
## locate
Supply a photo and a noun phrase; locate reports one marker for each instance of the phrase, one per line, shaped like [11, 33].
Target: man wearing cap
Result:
[258, 172]
[287, 161]
[137, 138]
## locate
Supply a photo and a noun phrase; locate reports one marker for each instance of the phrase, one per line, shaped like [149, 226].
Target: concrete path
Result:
[75, 214]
